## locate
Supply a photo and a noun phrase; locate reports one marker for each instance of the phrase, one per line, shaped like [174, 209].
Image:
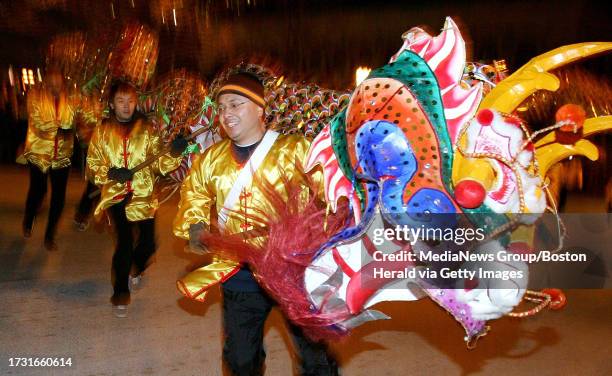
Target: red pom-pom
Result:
[557, 298]
[571, 112]
[469, 194]
[485, 117]
[572, 131]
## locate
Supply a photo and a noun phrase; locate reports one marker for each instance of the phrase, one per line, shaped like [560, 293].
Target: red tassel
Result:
[295, 234]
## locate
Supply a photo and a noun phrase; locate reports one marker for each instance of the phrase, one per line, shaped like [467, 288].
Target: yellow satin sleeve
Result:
[197, 197]
[110, 147]
[196, 284]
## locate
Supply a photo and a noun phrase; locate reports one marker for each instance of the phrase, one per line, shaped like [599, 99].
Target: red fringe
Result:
[296, 232]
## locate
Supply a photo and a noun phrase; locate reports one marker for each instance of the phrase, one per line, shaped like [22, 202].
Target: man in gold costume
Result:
[49, 144]
[120, 143]
[224, 182]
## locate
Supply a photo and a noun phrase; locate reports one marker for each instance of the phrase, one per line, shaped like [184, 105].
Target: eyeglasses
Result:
[231, 107]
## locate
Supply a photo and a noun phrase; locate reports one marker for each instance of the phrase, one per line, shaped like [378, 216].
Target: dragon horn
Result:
[549, 152]
[548, 155]
[533, 76]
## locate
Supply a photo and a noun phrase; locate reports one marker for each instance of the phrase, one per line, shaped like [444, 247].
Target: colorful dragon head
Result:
[413, 142]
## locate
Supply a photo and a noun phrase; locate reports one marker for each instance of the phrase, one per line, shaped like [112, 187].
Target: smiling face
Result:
[241, 118]
[124, 104]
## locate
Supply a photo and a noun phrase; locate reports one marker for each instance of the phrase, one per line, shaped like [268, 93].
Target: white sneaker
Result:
[120, 311]
[135, 283]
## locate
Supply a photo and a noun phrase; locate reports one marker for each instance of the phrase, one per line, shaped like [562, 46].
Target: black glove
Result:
[177, 146]
[120, 174]
[195, 232]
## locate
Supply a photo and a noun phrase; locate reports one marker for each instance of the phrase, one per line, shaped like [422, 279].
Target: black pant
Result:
[86, 203]
[127, 257]
[244, 316]
[36, 194]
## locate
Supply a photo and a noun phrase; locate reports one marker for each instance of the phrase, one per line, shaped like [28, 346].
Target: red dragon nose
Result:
[469, 194]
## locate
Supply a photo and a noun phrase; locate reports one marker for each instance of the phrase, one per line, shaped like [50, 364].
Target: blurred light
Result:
[174, 15]
[39, 75]
[163, 18]
[31, 77]
[112, 10]
[24, 76]
[10, 73]
[361, 74]
[571, 157]
[500, 65]
[522, 109]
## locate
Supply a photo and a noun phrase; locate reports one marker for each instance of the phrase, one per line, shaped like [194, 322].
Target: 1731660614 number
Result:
[40, 362]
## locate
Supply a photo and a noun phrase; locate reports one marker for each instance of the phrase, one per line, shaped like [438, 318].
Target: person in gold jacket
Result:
[120, 143]
[226, 182]
[48, 149]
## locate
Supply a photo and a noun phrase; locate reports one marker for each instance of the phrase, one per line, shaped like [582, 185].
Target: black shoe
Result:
[26, 230]
[81, 222]
[81, 226]
[50, 245]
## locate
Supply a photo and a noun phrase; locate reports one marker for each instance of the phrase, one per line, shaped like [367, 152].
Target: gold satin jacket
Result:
[208, 184]
[46, 146]
[113, 146]
[213, 173]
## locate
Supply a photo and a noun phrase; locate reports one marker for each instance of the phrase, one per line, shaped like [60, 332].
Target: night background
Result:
[320, 41]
